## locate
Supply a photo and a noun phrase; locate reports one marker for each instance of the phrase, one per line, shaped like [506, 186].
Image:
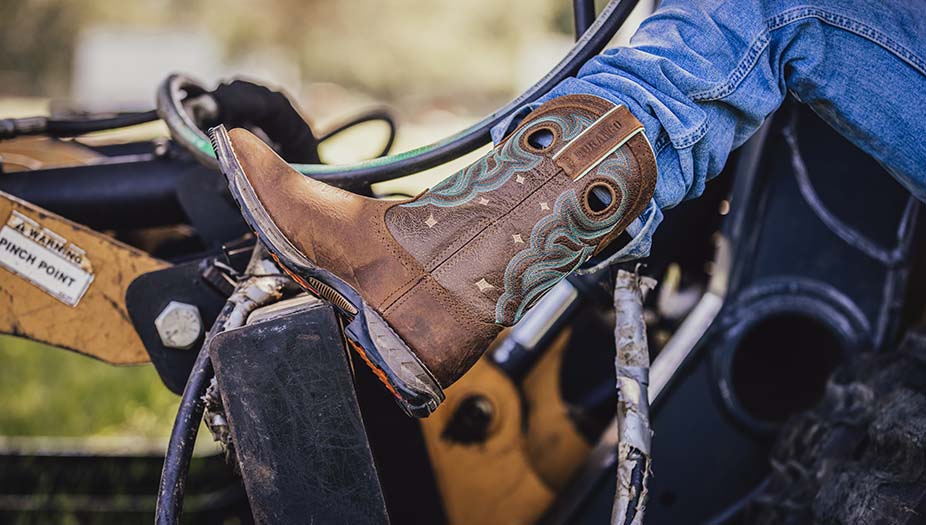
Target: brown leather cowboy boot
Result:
[425, 284]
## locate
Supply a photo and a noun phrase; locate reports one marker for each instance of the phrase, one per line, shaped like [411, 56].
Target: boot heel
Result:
[394, 363]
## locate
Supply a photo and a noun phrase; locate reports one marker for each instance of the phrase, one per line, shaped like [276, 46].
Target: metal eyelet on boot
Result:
[541, 139]
[600, 198]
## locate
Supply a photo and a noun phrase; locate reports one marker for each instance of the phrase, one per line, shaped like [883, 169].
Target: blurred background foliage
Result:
[47, 391]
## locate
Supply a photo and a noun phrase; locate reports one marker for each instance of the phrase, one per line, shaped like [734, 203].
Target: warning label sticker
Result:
[45, 259]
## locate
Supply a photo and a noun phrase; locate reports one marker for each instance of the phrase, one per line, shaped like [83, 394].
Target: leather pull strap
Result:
[605, 136]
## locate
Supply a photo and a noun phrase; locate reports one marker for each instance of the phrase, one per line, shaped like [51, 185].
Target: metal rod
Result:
[676, 351]
[16, 127]
[665, 369]
[108, 196]
[519, 352]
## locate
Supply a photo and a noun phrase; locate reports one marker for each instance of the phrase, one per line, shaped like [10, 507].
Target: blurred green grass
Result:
[47, 391]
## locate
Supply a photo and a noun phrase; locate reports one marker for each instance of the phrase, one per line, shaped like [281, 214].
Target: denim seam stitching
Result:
[747, 63]
[873, 35]
[696, 135]
[661, 143]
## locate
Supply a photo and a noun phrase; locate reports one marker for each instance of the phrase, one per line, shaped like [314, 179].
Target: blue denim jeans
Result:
[702, 75]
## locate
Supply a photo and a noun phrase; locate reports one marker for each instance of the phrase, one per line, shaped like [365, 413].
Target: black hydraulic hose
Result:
[387, 168]
[261, 283]
[583, 14]
[183, 435]
[370, 116]
[73, 127]
[363, 174]
[108, 195]
[17, 127]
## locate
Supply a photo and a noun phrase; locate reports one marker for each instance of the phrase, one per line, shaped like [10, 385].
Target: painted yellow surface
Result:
[508, 478]
[553, 444]
[33, 153]
[99, 326]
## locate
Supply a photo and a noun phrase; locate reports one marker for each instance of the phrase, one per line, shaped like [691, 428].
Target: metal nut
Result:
[179, 325]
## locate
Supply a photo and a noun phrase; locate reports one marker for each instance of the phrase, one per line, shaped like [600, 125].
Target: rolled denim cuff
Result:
[503, 128]
[642, 231]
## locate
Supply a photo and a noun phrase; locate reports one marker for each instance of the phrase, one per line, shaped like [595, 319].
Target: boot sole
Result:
[394, 363]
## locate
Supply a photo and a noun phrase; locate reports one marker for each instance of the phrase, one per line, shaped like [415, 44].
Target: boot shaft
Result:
[504, 230]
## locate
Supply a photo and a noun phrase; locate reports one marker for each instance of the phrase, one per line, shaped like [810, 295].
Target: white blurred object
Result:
[271, 66]
[119, 68]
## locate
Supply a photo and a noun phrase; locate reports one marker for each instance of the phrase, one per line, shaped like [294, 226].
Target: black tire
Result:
[860, 456]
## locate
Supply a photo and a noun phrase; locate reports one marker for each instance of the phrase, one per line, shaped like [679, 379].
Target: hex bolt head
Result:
[179, 325]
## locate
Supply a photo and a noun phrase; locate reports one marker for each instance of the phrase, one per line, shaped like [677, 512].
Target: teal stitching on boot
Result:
[496, 168]
[559, 243]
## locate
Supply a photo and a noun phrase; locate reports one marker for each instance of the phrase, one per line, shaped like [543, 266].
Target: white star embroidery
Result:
[483, 285]
[484, 201]
[430, 221]
[520, 179]
[544, 206]
[517, 238]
